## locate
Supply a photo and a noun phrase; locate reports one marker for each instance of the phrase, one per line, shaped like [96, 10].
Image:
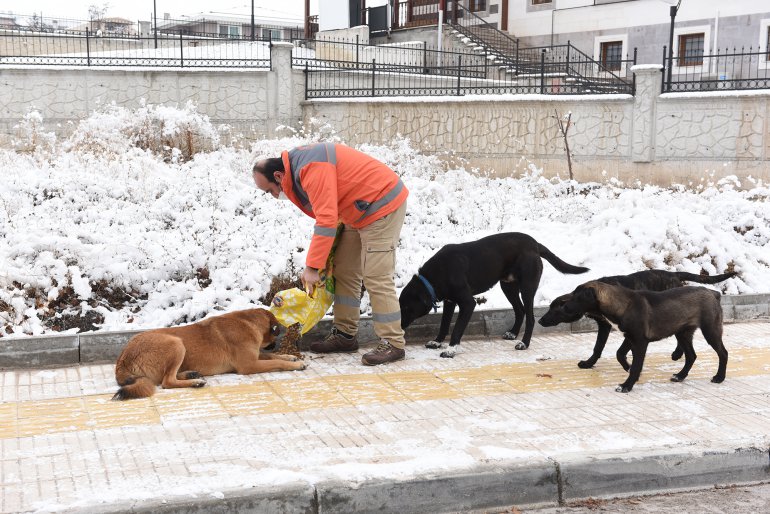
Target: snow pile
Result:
[145, 218]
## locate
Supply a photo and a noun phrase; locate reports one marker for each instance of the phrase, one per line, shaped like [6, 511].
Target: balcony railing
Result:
[734, 69]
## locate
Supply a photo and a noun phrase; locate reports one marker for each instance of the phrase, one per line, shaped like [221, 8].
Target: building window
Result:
[232, 31]
[478, 5]
[611, 55]
[539, 2]
[691, 49]
[271, 33]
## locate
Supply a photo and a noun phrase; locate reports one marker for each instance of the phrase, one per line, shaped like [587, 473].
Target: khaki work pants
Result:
[368, 255]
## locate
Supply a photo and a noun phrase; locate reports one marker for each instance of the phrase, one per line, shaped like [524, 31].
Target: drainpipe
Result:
[713, 64]
[553, 13]
[441, 7]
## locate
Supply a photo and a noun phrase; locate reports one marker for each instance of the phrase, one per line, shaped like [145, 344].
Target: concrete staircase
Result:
[549, 67]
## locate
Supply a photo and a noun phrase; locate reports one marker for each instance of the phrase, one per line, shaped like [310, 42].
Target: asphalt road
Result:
[753, 499]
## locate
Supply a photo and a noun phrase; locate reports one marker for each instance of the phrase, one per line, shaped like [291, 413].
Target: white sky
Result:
[142, 9]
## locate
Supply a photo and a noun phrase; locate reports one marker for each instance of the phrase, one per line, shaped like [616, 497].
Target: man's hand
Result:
[310, 279]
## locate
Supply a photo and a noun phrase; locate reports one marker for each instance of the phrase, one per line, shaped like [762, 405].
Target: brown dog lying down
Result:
[646, 316]
[181, 356]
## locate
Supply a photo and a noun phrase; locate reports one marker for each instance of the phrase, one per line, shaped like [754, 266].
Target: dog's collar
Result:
[431, 291]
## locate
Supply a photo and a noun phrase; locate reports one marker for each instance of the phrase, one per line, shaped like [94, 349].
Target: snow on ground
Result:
[149, 217]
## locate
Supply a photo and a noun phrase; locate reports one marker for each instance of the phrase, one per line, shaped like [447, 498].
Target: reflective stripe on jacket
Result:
[331, 183]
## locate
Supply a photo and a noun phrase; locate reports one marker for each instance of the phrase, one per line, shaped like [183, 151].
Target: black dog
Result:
[648, 280]
[459, 271]
[646, 316]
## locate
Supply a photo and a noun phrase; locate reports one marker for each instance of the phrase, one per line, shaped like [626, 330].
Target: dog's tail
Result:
[135, 387]
[559, 264]
[704, 279]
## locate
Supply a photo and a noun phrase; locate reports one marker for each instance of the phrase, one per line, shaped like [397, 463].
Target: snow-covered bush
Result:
[173, 134]
[114, 230]
[31, 137]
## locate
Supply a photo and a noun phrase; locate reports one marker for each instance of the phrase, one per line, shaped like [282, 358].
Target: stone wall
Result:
[252, 101]
[652, 138]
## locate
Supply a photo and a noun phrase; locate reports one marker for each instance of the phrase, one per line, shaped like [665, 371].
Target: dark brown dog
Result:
[646, 316]
[180, 356]
[648, 280]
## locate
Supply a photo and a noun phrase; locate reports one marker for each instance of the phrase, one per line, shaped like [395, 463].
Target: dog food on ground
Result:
[289, 342]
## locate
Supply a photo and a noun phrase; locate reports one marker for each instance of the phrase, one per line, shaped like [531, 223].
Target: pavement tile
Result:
[11, 498]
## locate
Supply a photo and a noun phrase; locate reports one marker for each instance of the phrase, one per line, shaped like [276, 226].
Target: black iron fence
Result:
[574, 68]
[348, 68]
[410, 58]
[724, 70]
[161, 51]
[232, 27]
[344, 69]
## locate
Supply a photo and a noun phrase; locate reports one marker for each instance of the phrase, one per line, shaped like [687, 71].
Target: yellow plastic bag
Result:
[294, 305]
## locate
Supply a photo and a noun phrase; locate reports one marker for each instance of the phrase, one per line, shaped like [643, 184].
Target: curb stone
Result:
[546, 482]
[40, 351]
[484, 487]
[105, 346]
[655, 473]
[296, 498]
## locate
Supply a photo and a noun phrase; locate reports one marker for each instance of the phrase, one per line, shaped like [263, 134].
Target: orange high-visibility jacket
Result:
[333, 183]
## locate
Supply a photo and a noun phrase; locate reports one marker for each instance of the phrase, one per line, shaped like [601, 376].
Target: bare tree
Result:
[564, 124]
[36, 23]
[96, 13]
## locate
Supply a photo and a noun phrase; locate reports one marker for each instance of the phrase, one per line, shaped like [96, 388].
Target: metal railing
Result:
[724, 70]
[577, 68]
[500, 45]
[559, 60]
[409, 58]
[163, 51]
[559, 71]
[234, 27]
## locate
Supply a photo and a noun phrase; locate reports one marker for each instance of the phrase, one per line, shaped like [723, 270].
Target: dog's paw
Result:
[521, 346]
[622, 389]
[200, 382]
[586, 364]
[300, 366]
[677, 354]
[510, 336]
[189, 375]
[433, 345]
[625, 364]
[447, 354]
[718, 379]
[677, 378]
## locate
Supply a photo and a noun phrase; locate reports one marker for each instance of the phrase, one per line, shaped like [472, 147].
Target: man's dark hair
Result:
[269, 167]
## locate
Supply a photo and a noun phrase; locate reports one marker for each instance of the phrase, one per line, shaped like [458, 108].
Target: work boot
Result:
[336, 341]
[384, 353]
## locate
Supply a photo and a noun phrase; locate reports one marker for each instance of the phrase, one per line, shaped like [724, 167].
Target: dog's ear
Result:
[585, 295]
